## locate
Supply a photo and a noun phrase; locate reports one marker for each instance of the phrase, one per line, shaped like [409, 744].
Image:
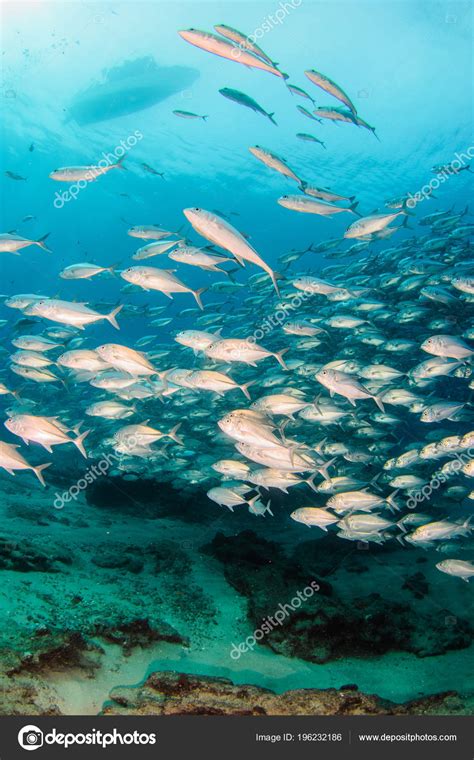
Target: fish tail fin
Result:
[79, 442]
[379, 403]
[273, 276]
[113, 268]
[245, 389]
[391, 501]
[319, 446]
[42, 244]
[353, 208]
[174, 437]
[400, 540]
[372, 129]
[230, 273]
[405, 224]
[205, 117]
[39, 470]
[374, 481]
[284, 76]
[163, 378]
[118, 164]
[111, 317]
[303, 185]
[323, 144]
[270, 116]
[310, 482]
[401, 525]
[268, 508]
[467, 524]
[466, 211]
[325, 467]
[279, 357]
[197, 295]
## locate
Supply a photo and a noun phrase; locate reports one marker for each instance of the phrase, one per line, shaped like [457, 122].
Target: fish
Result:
[88, 173]
[224, 48]
[334, 114]
[242, 350]
[327, 84]
[309, 206]
[70, 313]
[367, 225]
[12, 175]
[314, 517]
[150, 170]
[110, 410]
[148, 232]
[12, 243]
[231, 497]
[326, 195]
[245, 100]
[243, 42]
[295, 90]
[309, 115]
[273, 161]
[223, 234]
[83, 271]
[310, 138]
[457, 567]
[190, 115]
[11, 460]
[47, 431]
[345, 385]
[154, 249]
[198, 257]
[125, 359]
[163, 280]
[218, 382]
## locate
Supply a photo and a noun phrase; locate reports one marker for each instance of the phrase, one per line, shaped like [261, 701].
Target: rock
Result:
[117, 559]
[323, 627]
[170, 693]
[140, 633]
[25, 557]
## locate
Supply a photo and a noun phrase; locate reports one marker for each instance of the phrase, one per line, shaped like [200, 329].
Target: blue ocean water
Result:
[407, 67]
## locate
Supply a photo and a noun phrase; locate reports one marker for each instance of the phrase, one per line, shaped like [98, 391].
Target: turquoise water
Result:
[138, 539]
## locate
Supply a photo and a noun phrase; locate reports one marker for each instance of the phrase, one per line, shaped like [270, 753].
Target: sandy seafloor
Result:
[70, 631]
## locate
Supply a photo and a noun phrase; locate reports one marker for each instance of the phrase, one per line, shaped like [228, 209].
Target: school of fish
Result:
[352, 385]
